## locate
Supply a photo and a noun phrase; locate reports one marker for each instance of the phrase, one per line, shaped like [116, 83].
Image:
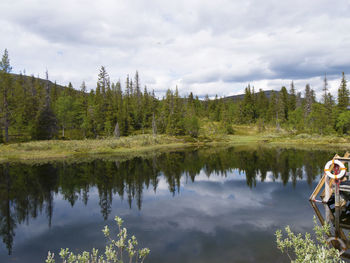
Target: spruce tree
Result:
[5, 92]
[65, 111]
[81, 106]
[309, 99]
[292, 98]
[248, 107]
[46, 122]
[273, 108]
[298, 100]
[283, 103]
[343, 94]
[262, 104]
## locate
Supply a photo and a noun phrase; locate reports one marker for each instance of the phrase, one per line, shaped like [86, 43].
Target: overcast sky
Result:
[203, 46]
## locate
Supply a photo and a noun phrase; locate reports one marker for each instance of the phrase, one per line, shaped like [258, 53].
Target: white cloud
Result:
[201, 46]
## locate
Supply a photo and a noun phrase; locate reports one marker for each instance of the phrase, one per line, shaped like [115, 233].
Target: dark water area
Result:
[193, 206]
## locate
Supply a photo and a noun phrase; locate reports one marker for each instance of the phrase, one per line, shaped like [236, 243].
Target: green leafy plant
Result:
[305, 249]
[115, 251]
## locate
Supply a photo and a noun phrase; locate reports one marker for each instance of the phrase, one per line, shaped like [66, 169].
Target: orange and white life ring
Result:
[335, 175]
[341, 243]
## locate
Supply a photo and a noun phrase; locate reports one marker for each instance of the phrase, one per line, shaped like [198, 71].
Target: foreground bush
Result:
[116, 251]
[305, 249]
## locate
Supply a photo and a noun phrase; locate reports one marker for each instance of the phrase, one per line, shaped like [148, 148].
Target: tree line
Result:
[35, 109]
[298, 112]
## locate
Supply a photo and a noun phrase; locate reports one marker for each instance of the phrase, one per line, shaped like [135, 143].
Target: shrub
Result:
[115, 251]
[305, 249]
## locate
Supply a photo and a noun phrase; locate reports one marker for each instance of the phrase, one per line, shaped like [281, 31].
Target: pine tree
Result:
[65, 111]
[136, 104]
[100, 102]
[292, 98]
[103, 80]
[5, 92]
[46, 122]
[343, 94]
[309, 100]
[19, 111]
[262, 104]
[273, 109]
[283, 104]
[81, 106]
[248, 109]
[175, 123]
[327, 98]
[325, 90]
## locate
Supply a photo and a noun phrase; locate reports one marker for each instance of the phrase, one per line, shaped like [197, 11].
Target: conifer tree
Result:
[19, 111]
[325, 90]
[46, 122]
[309, 100]
[5, 92]
[262, 104]
[327, 97]
[343, 94]
[283, 104]
[292, 98]
[273, 108]
[248, 109]
[65, 111]
[175, 124]
[81, 106]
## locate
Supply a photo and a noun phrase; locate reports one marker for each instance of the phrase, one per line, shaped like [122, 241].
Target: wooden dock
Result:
[328, 186]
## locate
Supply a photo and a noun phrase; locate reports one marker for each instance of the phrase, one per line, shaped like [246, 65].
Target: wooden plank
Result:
[318, 187]
[343, 159]
[328, 189]
[330, 182]
[318, 213]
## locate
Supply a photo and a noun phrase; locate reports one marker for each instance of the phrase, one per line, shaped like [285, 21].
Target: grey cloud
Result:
[199, 45]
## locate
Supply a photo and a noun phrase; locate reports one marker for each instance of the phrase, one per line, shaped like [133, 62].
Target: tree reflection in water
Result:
[28, 190]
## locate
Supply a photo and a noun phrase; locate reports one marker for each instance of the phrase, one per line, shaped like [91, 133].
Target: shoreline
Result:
[145, 145]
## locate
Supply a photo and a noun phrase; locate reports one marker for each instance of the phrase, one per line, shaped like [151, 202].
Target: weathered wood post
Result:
[336, 221]
[337, 194]
[327, 189]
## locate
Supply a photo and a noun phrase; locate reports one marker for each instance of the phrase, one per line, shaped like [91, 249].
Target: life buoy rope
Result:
[336, 174]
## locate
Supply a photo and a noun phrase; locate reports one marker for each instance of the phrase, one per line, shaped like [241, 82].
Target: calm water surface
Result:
[193, 206]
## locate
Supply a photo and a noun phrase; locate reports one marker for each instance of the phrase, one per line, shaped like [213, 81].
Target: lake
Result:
[207, 205]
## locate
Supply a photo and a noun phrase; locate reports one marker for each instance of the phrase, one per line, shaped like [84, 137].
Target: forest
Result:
[37, 109]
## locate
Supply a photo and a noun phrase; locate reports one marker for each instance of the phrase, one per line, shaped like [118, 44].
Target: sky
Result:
[201, 46]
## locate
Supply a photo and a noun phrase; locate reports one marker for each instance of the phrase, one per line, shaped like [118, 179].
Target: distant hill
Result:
[32, 79]
[42, 82]
[239, 97]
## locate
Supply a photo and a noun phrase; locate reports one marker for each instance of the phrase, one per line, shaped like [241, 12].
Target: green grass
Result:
[140, 145]
[54, 149]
